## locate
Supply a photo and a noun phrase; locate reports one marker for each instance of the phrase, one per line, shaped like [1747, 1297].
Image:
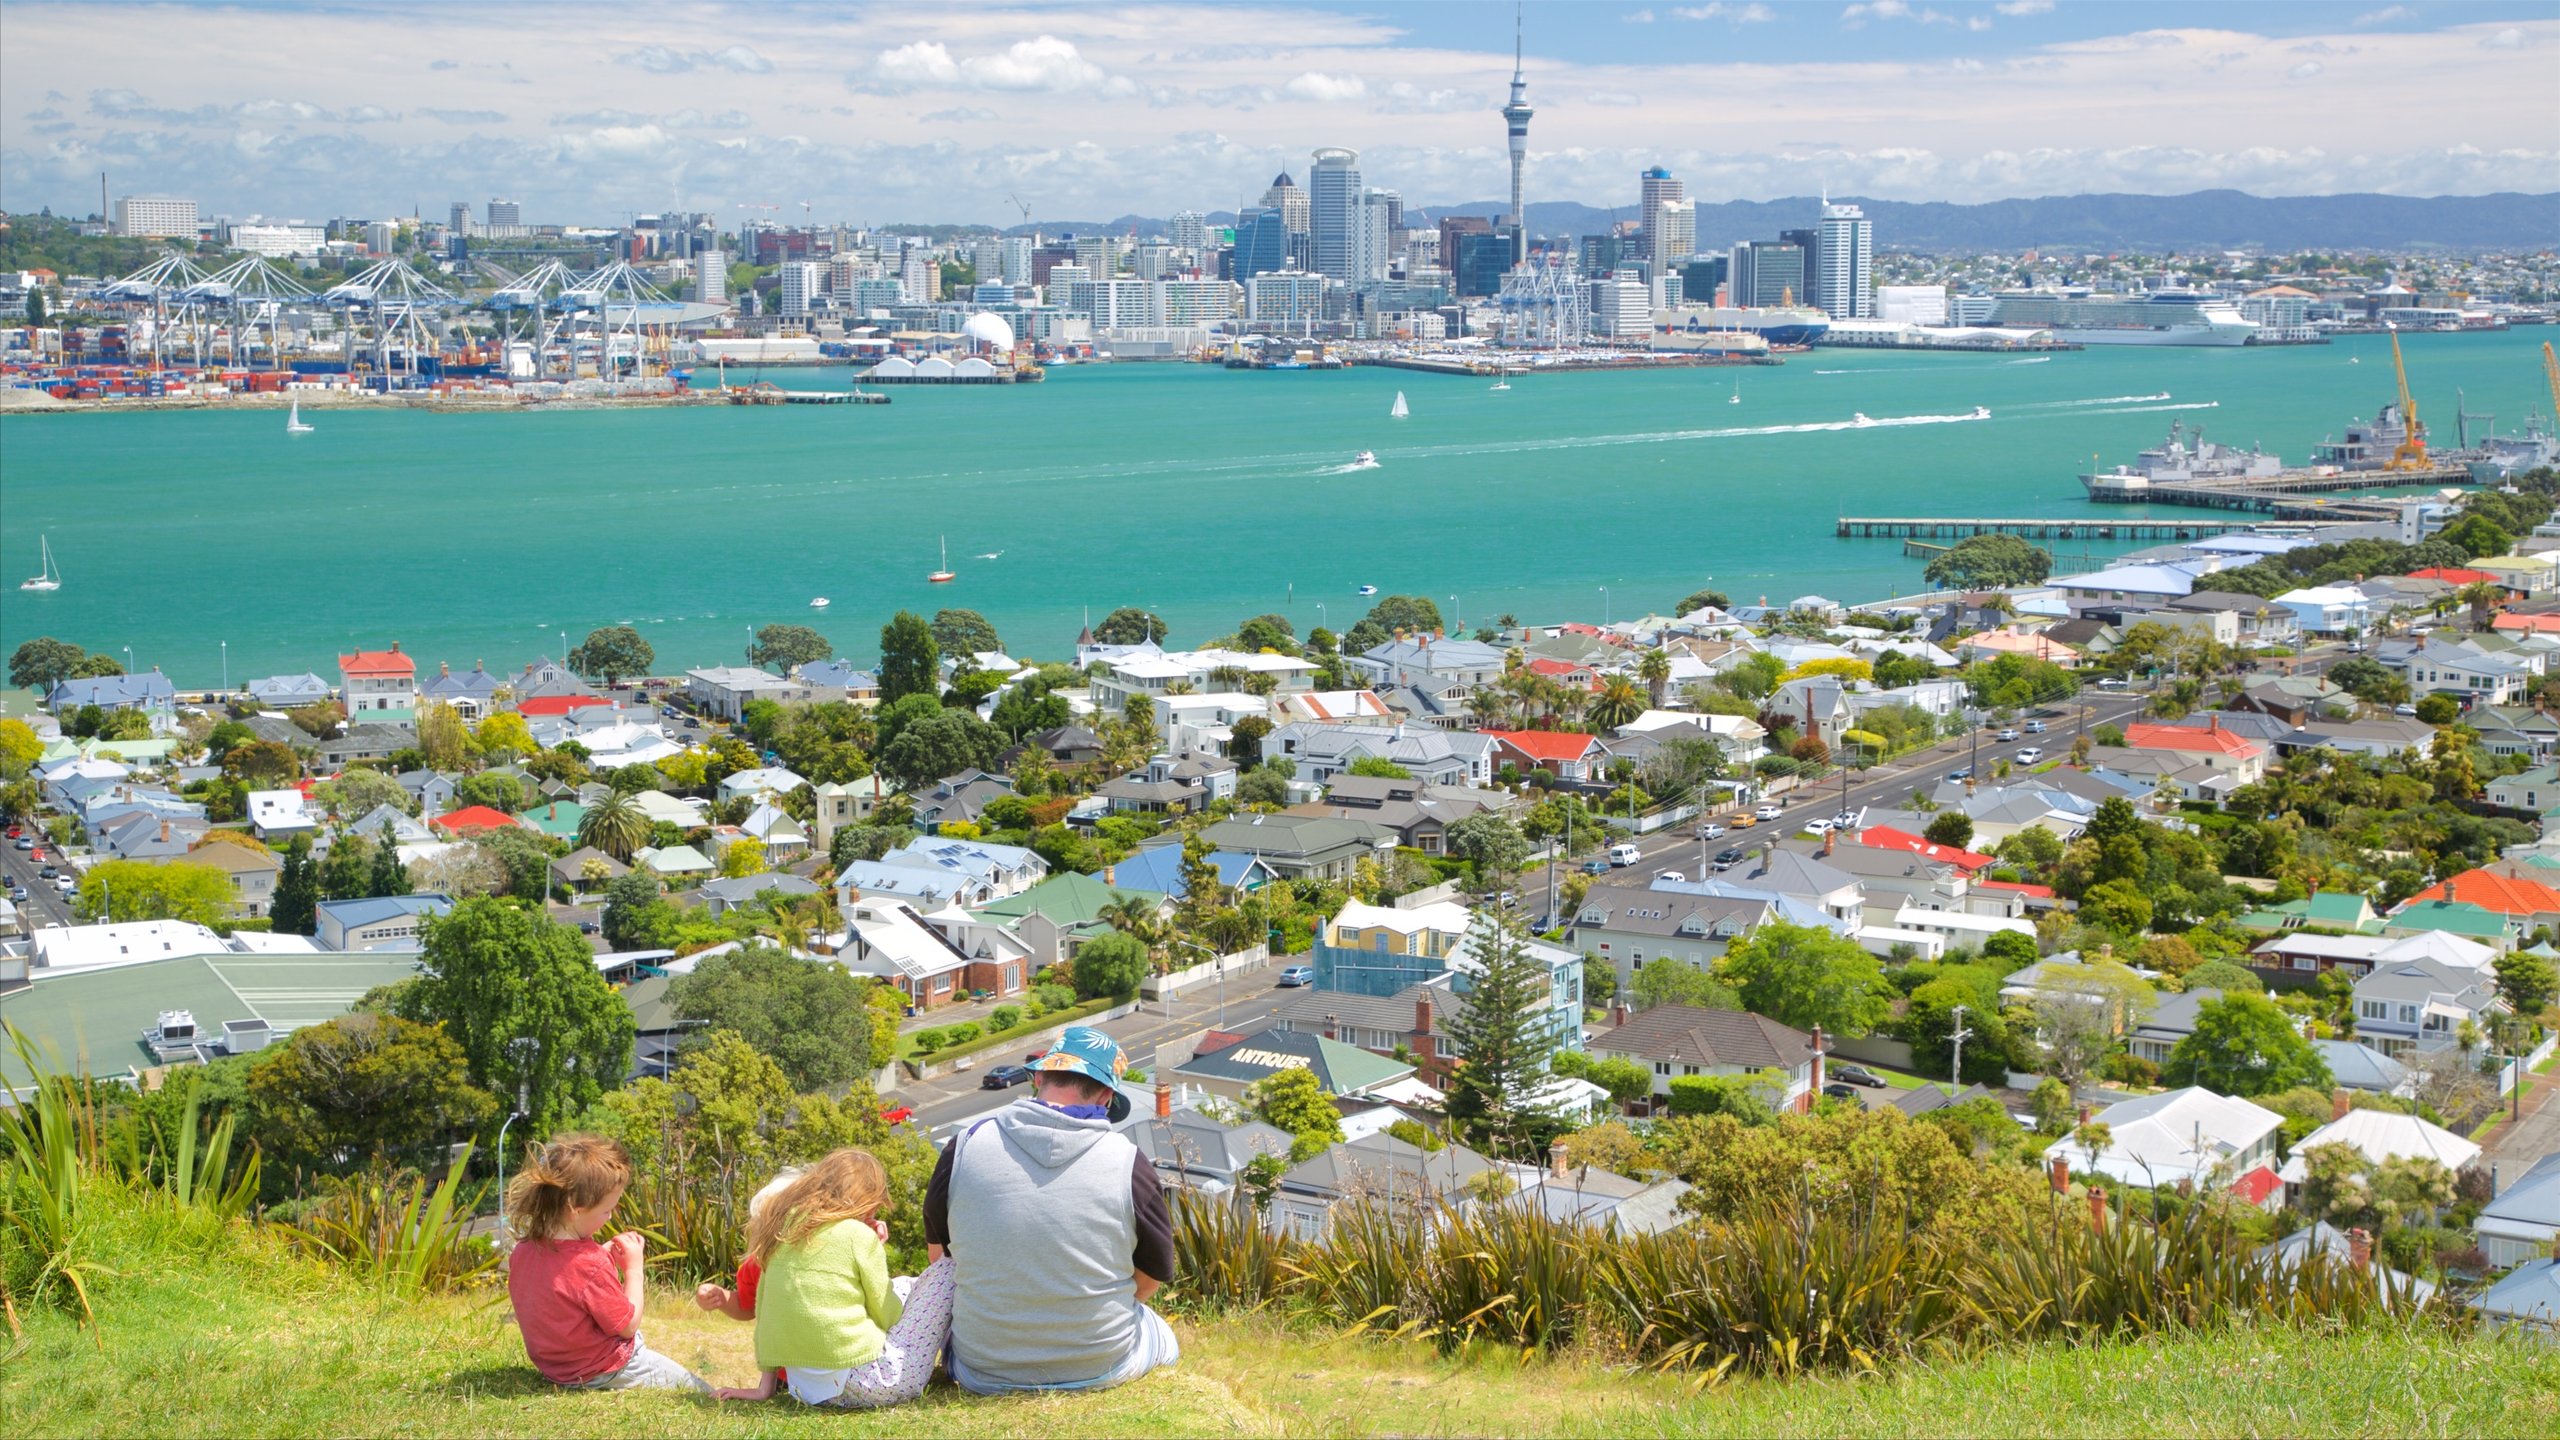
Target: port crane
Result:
[2411, 453]
[2551, 376]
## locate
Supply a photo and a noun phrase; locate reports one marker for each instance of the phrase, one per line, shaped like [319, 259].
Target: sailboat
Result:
[943, 575]
[49, 578]
[1502, 384]
[1736, 397]
[1399, 411]
[293, 421]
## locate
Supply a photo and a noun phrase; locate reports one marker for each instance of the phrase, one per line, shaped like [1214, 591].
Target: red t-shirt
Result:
[750, 1275]
[569, 1301]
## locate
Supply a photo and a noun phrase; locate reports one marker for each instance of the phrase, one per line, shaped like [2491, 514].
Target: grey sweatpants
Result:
[646, 1370]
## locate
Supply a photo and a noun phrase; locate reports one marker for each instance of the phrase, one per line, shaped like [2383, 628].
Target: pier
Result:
[1956, 527]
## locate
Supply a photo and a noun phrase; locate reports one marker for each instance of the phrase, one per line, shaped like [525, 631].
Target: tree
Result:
[615, 825]
[297, 890]
[523, 859]
[20, 749]
[2438, 710]
[387, 876]
[1804, 976]
[1267, 632]
[964, 632]
[443, 737]
[2477, 535]
[1110, 964]
[2117, 905]
[742, 857]
[1244, 744]
[786, 648]
[2243, 1045]
[1618, 703]
[356, 793]
[865, 842]
[634, 913]
[943, 743]
[1294, 1101]
[1669, 980]
[1412, 614]
[812, 1017]
[2368, 680]
[1490, 842]
[1703, 600]
[2079, 1010]
[1754, 675]
[119, 890]
[2226, 977]
[497, 977]
[1893, 670]
[1988, 562]
[502, 793]
[1751, 1099]
[1952, 828]
[1377, 767]
[365, 1089]
[44, 662]
[1129, 625]
[612, 653]
[262, 764]
[2336, 1186]
[1029, 708]
[910, 661]
[1500, 1030]
[2529, 982]
[503, 736]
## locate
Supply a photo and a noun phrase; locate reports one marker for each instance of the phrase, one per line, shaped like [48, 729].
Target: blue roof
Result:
[870, 877]
[109, 690]
[2361, 1067]
[353, 913]
[1160, 870]
[836, 675]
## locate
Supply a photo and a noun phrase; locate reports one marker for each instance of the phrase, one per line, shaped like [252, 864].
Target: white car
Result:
[1818, 827]
[2005, 736]
[1674, 876]
[1768, 812]
[2030, 755]
[1711, 831]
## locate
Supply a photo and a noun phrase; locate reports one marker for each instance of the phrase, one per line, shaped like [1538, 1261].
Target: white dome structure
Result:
[896, 367]
[935, 368]
[974, 368]
[989, 330]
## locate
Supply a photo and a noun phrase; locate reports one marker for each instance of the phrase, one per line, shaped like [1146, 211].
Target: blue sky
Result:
[914, 112]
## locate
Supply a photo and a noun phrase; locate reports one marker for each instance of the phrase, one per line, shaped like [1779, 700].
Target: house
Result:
[769, 781]
[544, 677]
[1567, 756]
[586, 869]
[2160, 584]
[433, 789]
[2406, 1007]
[835, 805]
[1191, 1151]
[1800, 876]
[672, 862]
[2514, 730]
[382, 684]
[930, 961]
[142, 834]
[1054, 918]
[1331, 707]
[926, 889]
[1605, 1199]
[279, 813]
[2352, 1249]
[2522, 1220]
[473, 820]
[993, 870]
[2222, 751]
[2528, 901]
[730, 892]
[784, 842]
[2027, 644]
[837, 680]
[1158, 869]
[1627, 926]
[2294, 699]
[64, 948]
[1413, 1020]
[375, 740]
[2342, 910]
[1379, 950]
[1340, 1068]
[404, 828]
[2471, 674]
[1451, 668]
[2535, 791]
[1069, 747]
[2354, 1065]
[2470, 922]
[959, 799]
[1171, 785]
[1302, 846]
[472, 694]
[1678, 1040]
[252, 874]
[1152, 672]
[661, 808]
[2328, 609]
[288, 692]
[1435, 757]
[1419, 813]
[2172, 1018]
[390, 922]
[1378, 1168]
[2382, 736]
[2190, 1135]
[150, 693]
[724, 690]
[2259, 622]
[2525, 1300]
[2380, 1135]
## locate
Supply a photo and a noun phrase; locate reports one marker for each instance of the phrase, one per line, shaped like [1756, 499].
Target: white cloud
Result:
[1977, 22]
[2509, 38]
[1750, 14]
[1859, 14]
[1612, 99]
[1638, 17]
[922, 63]
[962, 114]
[2303, 71]
[2385, 15]
[658, 59]
[2024, 7]
[1315, 85]
[1046, 64]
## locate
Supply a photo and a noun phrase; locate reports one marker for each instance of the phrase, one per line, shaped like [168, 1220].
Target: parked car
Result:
[1297, 975]
[1818, 826]
[1005, 1077]
[2030, 755]
[2112, 682]
[1838, 1091]
[589, 927]
[1625, 855]
[1857, 1075]
[2035, 727]
[1728, 857]
[2007, 734]
[1711, 831]
[1674, 876]
[2405, 710]
[897, 1114]
[1769, 812]
[1595, 866]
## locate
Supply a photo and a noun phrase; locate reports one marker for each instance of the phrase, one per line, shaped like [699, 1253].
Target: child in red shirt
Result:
[578, 1302]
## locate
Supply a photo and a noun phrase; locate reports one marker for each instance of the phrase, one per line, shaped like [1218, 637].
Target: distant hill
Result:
[2205, 220]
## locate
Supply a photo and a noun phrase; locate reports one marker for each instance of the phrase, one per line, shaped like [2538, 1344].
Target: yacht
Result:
[821, 603]
[293, 421]
[942, 575]
[1736, 397]
[1500, 385]
[47, 578]
[1398, 410]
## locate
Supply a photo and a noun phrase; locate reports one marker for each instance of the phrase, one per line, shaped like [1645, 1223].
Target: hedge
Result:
[1067, 1016]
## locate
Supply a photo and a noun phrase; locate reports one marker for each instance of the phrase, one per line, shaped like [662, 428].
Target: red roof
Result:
[1564, 670]
[377, 664]
[2208, 740]
[472, 819]
[2038, 892]
[2536, 624]
[2454, 575]
[2505, 894]
[2257, 1186]
[1543, 745]
[541, 705]
[1885, 837]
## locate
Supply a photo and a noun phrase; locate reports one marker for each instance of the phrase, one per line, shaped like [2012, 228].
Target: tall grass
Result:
[398, 1232]
[51, 1141]
[1786, 1288]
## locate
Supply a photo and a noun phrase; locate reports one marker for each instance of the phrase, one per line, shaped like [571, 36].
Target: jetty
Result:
[1958, 527]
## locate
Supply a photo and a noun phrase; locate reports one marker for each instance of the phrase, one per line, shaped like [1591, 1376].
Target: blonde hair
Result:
[848, 1184]
[571, 1172]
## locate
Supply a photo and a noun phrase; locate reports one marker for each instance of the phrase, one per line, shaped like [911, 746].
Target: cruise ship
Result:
[2161, 317]
[1712, 327]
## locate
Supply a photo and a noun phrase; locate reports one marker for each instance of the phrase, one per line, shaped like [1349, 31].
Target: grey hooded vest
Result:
[1043, 1231]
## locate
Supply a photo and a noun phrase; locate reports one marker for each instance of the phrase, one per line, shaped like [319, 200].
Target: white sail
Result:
[47, 578]
[293, 421]
[1399, 412]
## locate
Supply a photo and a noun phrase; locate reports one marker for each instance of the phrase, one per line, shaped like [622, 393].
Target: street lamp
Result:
[1604, 605]
[521, 1047]
[1215, 959]
[226, 667]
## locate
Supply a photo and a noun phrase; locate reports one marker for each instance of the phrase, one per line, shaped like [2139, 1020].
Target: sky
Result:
[979, 113]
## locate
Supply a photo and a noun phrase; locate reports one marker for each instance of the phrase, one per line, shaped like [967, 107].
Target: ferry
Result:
[2159, 317]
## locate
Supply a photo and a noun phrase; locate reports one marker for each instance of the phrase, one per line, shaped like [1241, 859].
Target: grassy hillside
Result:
[210, 1331]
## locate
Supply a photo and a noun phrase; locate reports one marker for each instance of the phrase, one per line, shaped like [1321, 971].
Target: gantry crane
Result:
[2412, 451]
[2551, 374]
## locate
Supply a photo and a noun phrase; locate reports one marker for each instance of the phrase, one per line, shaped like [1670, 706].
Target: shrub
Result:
[1050, 996]
[928, 1041]
[1005, 1017]
[962, 1033]
[2127, 1069]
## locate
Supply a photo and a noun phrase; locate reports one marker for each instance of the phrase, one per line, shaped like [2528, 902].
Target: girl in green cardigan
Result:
[828, 1317]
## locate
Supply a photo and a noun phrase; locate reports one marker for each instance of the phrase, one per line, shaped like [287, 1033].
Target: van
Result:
[1624, 855]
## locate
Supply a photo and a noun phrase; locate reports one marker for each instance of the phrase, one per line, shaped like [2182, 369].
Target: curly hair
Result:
[571, 1172]
[849, 1184]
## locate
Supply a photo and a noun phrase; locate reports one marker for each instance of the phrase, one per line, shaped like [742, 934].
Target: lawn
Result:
[225, 1333]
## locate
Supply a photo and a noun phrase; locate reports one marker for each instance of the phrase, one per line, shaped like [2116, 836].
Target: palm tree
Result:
[1618, 703]
[1490, 708]
[615, 826]
[1138, 919]
[1655, 667]
[2482, 597]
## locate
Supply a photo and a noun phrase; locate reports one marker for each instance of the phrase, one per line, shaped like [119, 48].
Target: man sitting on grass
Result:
[1059, 1232]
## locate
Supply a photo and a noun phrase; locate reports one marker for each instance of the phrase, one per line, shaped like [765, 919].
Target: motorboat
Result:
[821, 603]
[1367, 590]
[1365, 460]
[1981, 412]
[1860, 419]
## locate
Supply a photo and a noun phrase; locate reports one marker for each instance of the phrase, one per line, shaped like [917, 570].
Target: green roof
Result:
[1068, 899]
[648, 1001]
[92, 1020]
[556, 818]
[2452, 917]
[2333, 910]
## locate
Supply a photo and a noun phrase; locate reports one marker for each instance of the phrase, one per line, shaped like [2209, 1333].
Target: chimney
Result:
[2060, 1169]
[1820, 1047]
[2084, 1114]
[1830, 838]
[1422, 1016]
[395, 647]
[1329, 1028]
[2340, 1102]
[443, 669]
[1556, 1164]
[164, 832]
[1164, 1098]
[2360, 1248]
[1107, 872]
[2098, 1207]
[1618, 1012]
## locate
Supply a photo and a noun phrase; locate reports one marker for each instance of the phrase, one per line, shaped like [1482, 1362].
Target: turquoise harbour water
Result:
[1204, 495]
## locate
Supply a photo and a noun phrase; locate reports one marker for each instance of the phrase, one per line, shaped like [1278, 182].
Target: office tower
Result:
[1334, 204]
[1017, 260]
[1099, 255]
[1843, 264]
[1515, 116]
[1600, 254]
[1767, 273]
[1190, 232]
[986, 260]
[1481, 258]
[460, 224]
[155, 215]
[1452, 229]
[1152, 260]
[711, 277]
[1292, 203]
[505, 214]
[1378, 210]
[1656, 189]
[802, 282]
[1671, 234]
[1262, 243]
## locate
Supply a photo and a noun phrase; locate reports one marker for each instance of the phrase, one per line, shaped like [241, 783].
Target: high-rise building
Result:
[1262, 243]
[711, 277]
[1767, 273]
[1285, 298]
[1600, 254]
[801, 283]
[1701, 278]
[986, 258]
[1098, 254]
[505, 215]
[1378, 210]
[1657, 188]
[460, 224]
[1152, 260]
[1515, 116]
[1452, 227]
[1335, 200]
[1843, 264]
[1482, 257]
[1671, 234]
[1017, 260]
[158, 216]
[1297, 210]
[1190, 232]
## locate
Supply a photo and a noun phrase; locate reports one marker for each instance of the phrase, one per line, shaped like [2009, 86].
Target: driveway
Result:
[2514, 1146]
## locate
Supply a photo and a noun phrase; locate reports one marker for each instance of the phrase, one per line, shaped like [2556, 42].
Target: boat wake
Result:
[1353, 468]
[2031, 360]
[2083, 404]
[1671, 437]
[2159, 409]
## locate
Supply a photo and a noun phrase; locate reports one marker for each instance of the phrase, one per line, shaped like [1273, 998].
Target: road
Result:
[2519, 1143]
[43, 905]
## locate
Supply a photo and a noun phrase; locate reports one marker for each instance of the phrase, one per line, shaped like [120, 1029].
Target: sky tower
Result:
[1516, 115]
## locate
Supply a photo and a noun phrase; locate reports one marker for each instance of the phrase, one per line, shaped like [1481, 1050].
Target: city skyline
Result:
[888, 114]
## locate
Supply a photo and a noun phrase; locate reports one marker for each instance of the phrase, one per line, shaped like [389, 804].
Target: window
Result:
[2408, 1014]
[2305, 962]
[2372, 1010]
[1661, 1067]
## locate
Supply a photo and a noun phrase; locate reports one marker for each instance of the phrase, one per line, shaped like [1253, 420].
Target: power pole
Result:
[1955, 1071]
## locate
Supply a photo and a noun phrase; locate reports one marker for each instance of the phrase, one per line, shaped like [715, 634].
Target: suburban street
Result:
[18, 869]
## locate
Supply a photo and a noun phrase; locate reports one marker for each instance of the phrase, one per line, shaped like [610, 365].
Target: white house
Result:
[2381, 1135]
[274, 813]
[2194, 1135]
[2523, 1219]
[2328, 609]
